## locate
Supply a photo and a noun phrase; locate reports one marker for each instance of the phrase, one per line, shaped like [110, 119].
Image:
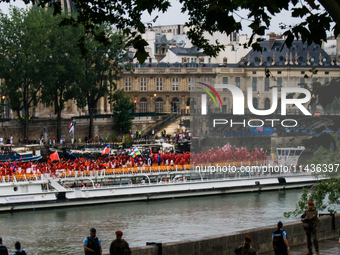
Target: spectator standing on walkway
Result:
[3, 249]
[19, 251]
[246, 248]
[279, 241]
[119, 246]
[92, 244]
[310, 219]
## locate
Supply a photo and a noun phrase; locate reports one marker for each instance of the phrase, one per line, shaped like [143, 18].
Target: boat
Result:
[34, 190]
[29, 152]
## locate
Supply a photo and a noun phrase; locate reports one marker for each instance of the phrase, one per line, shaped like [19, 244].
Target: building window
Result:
[267, 104]
[238, 82]
[225, 81]
[143, 105]
[254, 84]
[159, 84]
[279, 83]
[143, 84]
[266, 84]
[302, 82]
[314, 80]
[326, 72]
[206, 80]
[278, 72]
[175, 84]
[175, 105]
[159, 105]
[191, 84]
[254, 72]
[128, 84]
[326, 80]
[302, 72]
[234, 37]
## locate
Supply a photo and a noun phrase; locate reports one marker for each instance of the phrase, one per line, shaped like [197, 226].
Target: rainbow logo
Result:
[209, 93]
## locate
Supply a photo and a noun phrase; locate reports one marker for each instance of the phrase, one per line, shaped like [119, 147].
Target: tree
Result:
[61, 64]
[122, 107]
[21, 55]
[326, 193]
[99, 70]
[206, 16]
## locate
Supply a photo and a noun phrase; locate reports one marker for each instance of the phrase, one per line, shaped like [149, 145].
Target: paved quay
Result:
[327, 247]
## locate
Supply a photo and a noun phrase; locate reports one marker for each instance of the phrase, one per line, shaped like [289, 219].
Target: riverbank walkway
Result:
[327, 247]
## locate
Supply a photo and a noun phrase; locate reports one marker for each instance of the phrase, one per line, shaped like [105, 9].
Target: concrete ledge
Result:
[261, 240]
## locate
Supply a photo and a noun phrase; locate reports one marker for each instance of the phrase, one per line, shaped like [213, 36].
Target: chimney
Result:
[272, 38]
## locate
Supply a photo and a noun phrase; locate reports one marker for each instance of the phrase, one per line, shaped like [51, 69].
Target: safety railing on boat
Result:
[20, 177]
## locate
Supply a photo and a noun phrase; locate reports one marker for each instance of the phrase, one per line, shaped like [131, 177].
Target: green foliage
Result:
[22, 55]
[128, 139]
[99, 70]
[326, 193]
[122, 107]
[204, 16]
[111, 138]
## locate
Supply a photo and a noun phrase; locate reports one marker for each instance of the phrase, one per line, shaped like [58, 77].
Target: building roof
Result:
[275, 53]
[193, 51]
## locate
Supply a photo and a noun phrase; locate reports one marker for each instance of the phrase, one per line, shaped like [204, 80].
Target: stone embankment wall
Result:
[261, 240]
[102, 127]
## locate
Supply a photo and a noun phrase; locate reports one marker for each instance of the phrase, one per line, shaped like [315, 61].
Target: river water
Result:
[62, 231]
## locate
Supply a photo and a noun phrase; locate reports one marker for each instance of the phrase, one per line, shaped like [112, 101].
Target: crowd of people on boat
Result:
[124, 159]
[227, 153]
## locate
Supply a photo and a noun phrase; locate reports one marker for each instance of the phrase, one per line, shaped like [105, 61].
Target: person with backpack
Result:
[19, 251]
[92, 245]
[3, 248]
[279, 241]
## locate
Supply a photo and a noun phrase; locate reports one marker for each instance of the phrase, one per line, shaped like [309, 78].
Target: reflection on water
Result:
[61, 231]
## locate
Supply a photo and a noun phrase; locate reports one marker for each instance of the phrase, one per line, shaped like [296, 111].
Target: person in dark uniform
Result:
[92, 244]
[279, 241]
[246, 248]
[119, 246]
[3, 249]
[310, 219]
[19, 251]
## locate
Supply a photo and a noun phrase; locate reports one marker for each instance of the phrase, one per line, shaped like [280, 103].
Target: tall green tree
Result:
[61, 63]
[21, 59]
[122, 108]
[99, 70]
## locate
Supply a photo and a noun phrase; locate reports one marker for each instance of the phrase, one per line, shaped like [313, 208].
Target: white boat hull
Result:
[138, 192]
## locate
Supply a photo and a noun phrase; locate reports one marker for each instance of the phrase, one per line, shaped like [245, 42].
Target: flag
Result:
[14, 167]
[226, 147]
[54, 156]
[71, 127]
[106, 150]
[134, 152]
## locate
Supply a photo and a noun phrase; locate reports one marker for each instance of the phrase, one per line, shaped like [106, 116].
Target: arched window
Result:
[267, 104]
[143, 105]
[175, 105]
[159, 105]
